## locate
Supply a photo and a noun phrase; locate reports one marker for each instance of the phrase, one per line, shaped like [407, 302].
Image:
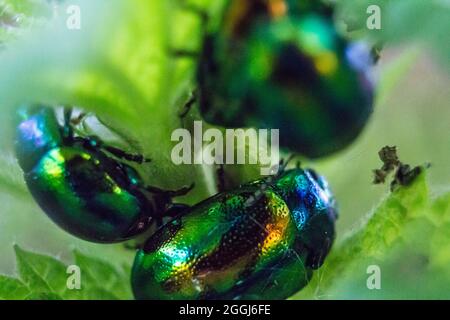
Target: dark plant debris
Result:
[404, 174]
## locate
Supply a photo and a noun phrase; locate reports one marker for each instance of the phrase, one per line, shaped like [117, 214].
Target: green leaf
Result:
[45, 278]
[43, 296]
[12, 289]
[40, 269]
[441, 208]
[11, 180]
[29, 272]
[101, 278]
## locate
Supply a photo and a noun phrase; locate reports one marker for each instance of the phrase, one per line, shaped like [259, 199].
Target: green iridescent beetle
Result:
[261, 241]
[82, 184]
[281, 64]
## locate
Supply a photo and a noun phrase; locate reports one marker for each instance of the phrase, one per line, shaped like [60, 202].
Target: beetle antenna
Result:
[68, 129]
[284, 164]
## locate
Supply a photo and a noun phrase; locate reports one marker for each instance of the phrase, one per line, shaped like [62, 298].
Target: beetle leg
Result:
[154, 189]
[68, 129]
[171, 193]
[96, 143]
[140, 225]
[76, 121]
[183, 53]
[138, 158]
[204, 16]
[188, 105]
[285, 163]
[70, 122]
[376, 52]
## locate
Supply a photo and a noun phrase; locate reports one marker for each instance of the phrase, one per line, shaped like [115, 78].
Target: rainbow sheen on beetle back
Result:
[232, 247]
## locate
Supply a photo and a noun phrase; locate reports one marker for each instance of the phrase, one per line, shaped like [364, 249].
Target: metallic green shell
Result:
[224, 248]
[37, 133]
[84, 197]
[292, 72]
[84, 191]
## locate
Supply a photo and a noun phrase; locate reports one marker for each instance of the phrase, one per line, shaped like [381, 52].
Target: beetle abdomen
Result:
[261, 241]
[83, 196]
[222, 250]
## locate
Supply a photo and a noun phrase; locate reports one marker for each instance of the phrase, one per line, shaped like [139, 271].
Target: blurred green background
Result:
[117, 65]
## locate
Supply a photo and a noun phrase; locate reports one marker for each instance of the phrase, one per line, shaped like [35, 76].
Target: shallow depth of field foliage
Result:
[118, 67]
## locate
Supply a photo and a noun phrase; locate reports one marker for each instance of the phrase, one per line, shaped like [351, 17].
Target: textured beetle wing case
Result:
[220, 250]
